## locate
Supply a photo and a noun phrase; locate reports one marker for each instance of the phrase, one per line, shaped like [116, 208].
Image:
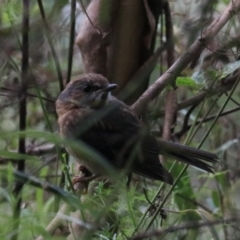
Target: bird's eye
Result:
[87, 89]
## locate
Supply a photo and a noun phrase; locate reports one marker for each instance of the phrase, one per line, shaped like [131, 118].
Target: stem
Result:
[22, 115]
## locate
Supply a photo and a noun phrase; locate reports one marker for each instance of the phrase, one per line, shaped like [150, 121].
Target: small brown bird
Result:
[88, 112]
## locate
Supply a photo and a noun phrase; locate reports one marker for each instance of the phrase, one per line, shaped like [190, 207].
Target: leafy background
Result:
[113, 212]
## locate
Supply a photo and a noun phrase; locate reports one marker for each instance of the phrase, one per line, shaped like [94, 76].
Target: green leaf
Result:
[25, 178]
[216, 198]
[79, 147]
[187, 82]
[17, 156]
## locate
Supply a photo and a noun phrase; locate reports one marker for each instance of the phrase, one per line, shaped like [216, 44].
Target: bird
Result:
[88, 112]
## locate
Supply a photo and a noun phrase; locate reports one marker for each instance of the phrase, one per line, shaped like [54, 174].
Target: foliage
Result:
[116, 212]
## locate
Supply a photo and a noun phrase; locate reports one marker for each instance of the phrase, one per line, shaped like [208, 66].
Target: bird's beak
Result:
[102, 95]
[110, 87]
[107, 89]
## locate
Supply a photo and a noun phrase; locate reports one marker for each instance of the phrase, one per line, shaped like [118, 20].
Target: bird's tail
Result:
[188, 155]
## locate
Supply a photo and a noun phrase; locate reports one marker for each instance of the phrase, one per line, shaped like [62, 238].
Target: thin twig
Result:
[226, 85]
[71, 40]
[197, 47]
[193, 201]
[199, 146]
[233, 100]
[177, 179]
[69, 73]
[89, 19]
[185, 126]
[24, 178]
[16, 92]
[22, 115]
[207, 119]
[171, 99]
[162, 232]
[54, 53]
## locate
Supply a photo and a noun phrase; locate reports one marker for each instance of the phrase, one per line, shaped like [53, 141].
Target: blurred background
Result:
[46, 43]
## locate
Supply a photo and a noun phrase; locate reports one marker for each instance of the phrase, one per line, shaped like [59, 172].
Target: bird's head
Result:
[88, 91]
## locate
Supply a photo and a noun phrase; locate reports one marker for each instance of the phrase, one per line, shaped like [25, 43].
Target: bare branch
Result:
[182, 62]
[225, 85]
[162, 232]
[22, 116]
[171, 99]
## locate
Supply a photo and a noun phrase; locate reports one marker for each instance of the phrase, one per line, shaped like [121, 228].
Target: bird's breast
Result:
[71, 122]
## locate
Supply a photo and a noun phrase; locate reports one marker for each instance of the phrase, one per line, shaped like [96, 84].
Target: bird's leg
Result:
[86, 177]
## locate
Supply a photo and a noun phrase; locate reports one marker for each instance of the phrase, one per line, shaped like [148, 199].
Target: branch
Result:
[93, 36]
[186, 127]
[225, 85]
[171, 99]
[71, 40]
[196, 48]
[162, 232]
[22, 116]
[51, 44]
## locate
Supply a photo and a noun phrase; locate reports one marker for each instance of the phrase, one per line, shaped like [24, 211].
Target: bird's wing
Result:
[120, 137]
[150, 166]
[110, 131]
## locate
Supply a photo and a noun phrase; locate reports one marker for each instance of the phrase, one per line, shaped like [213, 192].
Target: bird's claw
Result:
[84, 180]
